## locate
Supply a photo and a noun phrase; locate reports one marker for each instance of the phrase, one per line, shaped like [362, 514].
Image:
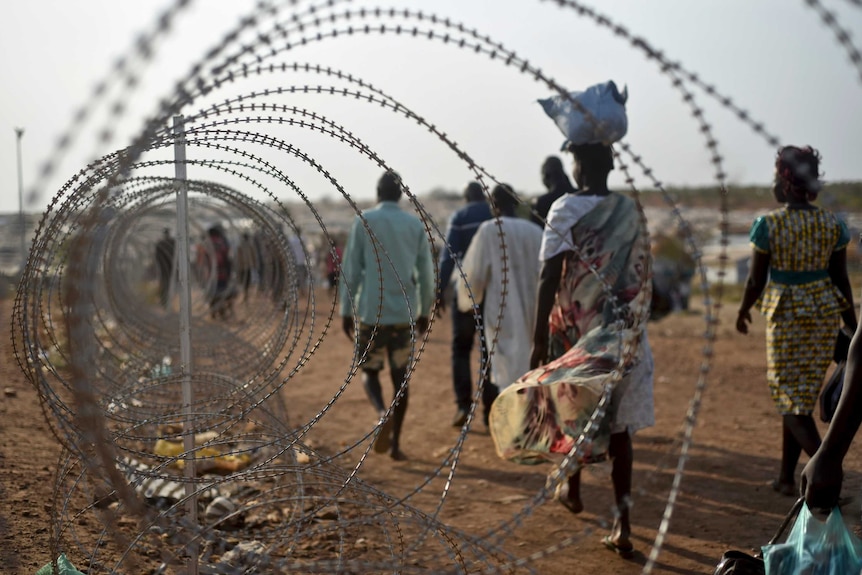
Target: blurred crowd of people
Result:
[231, 267]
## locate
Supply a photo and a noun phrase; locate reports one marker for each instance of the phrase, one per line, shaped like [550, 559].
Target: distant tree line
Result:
[843, 196]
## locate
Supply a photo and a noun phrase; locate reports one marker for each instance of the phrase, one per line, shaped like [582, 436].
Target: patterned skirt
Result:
[798, 353]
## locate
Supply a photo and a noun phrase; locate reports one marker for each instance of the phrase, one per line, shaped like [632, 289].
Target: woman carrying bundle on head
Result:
[591, 315]
[798, 280]
[592, 309]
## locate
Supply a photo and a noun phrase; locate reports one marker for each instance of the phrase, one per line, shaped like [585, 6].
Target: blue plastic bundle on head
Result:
[598, 117]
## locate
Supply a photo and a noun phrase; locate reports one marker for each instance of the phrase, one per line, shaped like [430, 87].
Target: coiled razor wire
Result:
[90, 335]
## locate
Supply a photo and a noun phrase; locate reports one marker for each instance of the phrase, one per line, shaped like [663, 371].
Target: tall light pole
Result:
[19, 133]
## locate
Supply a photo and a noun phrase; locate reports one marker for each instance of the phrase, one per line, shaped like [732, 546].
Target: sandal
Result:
[384, 437]
[626, 552]
[561, 494]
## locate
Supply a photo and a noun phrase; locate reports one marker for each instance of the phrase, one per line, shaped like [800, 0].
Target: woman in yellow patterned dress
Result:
[798, 280]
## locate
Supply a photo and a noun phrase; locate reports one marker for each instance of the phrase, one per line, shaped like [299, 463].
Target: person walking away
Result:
[277, 260]
[165, 248]
[673, 270]
[220, 303]
[593, 297]
[261, 250]
[246, 263]
[501, 269]
[388, 283]
[300, 262]
[202, 261]
[460, 230]
[798, 280]
[556, 183]
[333, 263]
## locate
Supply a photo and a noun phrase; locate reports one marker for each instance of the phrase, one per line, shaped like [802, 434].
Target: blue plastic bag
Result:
[815, 547]
[64, 567]
[605, 121]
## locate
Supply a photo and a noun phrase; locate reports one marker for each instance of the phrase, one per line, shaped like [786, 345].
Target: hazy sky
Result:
[774, 58]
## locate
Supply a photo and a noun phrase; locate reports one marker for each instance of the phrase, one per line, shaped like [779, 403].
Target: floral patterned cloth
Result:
[595, 340]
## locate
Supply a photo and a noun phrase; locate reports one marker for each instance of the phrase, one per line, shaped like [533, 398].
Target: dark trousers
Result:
[464, 330]
[164, 285]
[244, 280]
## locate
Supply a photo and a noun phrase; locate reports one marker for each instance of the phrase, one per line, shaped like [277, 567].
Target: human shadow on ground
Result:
[726, 497]
[523, 477]
[725, 501]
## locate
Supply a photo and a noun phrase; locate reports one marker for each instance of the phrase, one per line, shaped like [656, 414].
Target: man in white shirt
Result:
[501, 269]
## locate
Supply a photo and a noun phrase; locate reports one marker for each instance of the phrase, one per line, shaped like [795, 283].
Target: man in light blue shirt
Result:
[388, 283]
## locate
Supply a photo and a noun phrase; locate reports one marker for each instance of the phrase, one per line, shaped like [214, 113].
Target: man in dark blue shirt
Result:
[462, 226]
[556, 182]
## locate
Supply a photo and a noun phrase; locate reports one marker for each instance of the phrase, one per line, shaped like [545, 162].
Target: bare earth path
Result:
[725, 501]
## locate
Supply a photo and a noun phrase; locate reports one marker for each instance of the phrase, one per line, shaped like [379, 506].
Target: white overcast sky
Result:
[773, 57]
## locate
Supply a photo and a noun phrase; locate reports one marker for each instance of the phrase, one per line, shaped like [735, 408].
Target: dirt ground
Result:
[725, 500]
